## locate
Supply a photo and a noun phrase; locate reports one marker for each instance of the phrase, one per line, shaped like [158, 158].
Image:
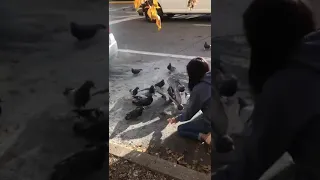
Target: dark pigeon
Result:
[135, 71]
[170, 67]
[160, 84]
[81, 96]
[134, 113]
[206, 46]
[85, 32]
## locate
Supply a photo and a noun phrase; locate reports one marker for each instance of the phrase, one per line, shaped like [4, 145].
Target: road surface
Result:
[141, 45]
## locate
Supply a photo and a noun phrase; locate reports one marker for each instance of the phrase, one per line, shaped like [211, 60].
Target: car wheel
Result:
[170, 15]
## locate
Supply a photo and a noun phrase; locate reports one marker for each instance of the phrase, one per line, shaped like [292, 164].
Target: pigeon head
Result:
[152, 90]
[88, 85]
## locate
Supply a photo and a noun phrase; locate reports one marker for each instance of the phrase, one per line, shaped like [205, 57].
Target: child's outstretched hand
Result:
[172, 120]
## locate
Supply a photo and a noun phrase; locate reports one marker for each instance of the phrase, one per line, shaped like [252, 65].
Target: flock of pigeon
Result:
[174, 90]
[146, 99]
[91, 124]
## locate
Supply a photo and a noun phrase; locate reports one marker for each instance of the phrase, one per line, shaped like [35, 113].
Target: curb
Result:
[120, 2]
[156, 164]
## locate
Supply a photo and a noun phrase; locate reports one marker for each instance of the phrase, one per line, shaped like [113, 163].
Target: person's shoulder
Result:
[294, 82]
[294, 77]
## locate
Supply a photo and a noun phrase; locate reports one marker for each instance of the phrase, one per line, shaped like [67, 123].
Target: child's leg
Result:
[194, 129]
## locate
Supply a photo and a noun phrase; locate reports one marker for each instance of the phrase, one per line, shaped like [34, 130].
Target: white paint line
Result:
[160, 54]
[193, 16]
[123, 20]
[202, 25]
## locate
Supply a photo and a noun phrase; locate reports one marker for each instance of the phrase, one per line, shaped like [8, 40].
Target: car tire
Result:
[170, 15]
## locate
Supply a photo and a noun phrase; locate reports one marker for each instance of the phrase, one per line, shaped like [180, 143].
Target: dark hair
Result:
[196, 70]
[274, 30]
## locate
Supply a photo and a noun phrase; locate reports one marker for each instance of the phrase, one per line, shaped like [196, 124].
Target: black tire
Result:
[170, 15]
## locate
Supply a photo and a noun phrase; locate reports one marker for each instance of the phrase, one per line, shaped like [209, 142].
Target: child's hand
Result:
[172, 120]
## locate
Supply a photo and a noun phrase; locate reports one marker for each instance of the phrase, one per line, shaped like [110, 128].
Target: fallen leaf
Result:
[180, 158]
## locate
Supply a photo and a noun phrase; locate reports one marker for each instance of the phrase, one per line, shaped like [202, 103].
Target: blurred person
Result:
[200, 99]
[284, 77]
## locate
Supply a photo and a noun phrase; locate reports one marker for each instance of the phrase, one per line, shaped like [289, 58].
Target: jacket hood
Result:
[207, 78]
[310, 50]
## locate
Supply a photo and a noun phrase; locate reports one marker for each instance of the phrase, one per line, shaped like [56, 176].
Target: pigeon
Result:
[181, 87]
[151, 90]
[159, 91]
[135, 71]
[134, 91]
[81, 96]
[242, 104]
[170, 67]
[171, 93]
[134, 113]
[160, 84]
[206, 46]
[142, 100]
[217, 63]
[92, 115]
[84, 32]
[81, 163]
[229, 86]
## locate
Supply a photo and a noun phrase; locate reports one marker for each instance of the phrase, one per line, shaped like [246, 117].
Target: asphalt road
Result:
[180, 39]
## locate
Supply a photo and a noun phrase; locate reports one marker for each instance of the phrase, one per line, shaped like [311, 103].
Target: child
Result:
[200, 99]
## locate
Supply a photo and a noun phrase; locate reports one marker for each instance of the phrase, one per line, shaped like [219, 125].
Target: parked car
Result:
[169, 8]
[113, 47]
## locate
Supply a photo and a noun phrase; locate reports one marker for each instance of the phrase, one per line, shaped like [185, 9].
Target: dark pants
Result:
[193, 128]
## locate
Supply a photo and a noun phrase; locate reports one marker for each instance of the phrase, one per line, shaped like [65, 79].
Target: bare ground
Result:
[121, 169]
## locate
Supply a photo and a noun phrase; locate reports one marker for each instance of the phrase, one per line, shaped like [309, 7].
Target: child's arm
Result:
[198, 97]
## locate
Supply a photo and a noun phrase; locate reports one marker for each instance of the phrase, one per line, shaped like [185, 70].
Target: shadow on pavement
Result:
[186, 152]
[142, 131]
